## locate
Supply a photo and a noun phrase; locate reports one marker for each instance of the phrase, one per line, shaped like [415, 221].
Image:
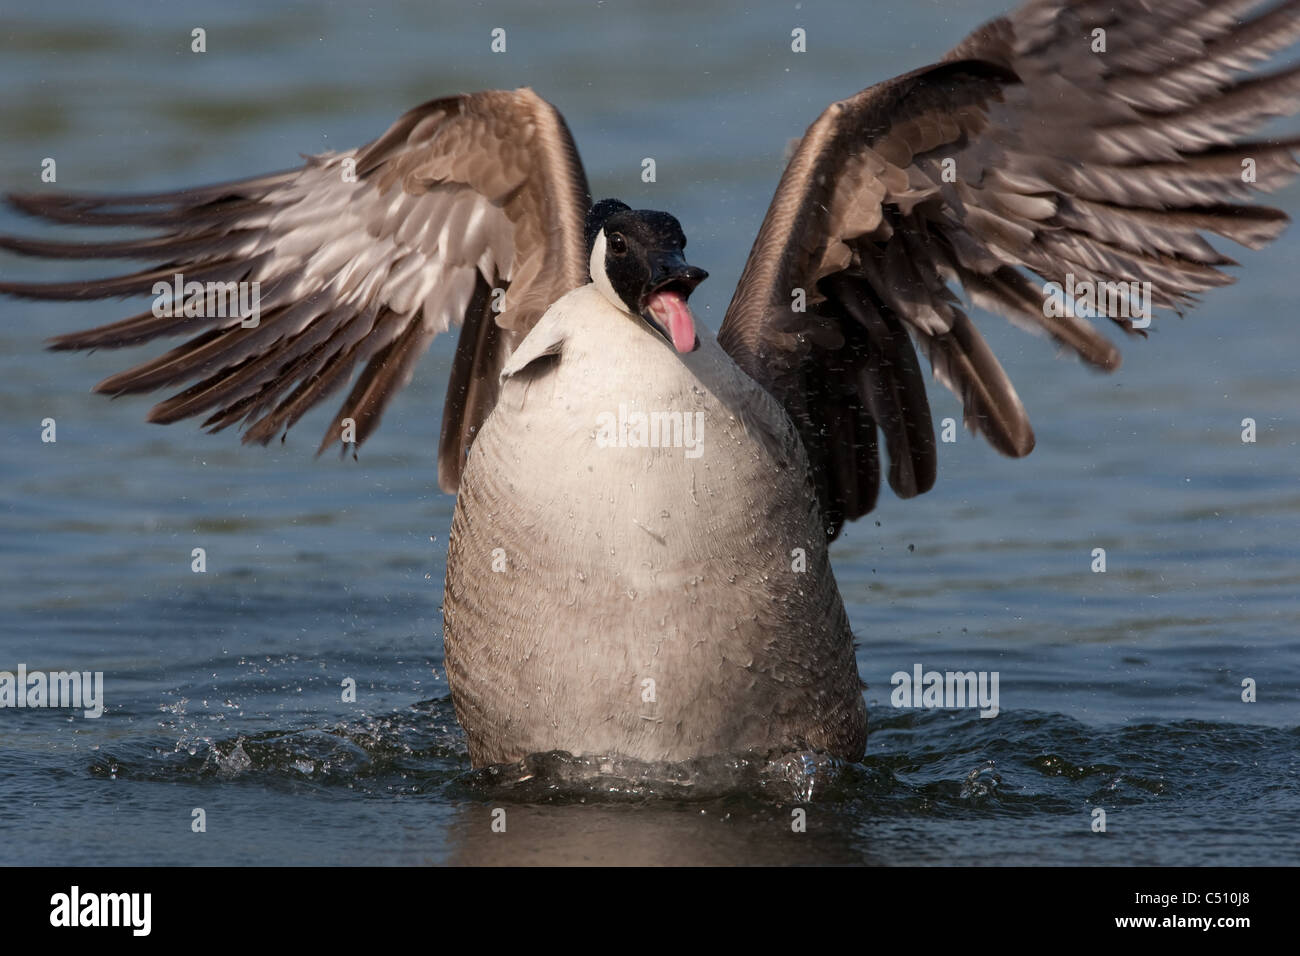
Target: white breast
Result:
[643, 510]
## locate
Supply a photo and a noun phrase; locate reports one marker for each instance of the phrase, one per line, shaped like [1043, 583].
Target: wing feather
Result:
[361, 259]
[1026, 157]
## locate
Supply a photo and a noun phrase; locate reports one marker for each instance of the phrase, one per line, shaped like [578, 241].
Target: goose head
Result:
[638, 266]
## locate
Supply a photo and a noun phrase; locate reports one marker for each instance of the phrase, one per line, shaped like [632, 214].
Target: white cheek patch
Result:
[598, 277]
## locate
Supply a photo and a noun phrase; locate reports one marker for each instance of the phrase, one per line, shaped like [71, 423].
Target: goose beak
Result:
[664, 306]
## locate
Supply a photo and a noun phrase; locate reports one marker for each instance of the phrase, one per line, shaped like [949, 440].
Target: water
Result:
[1119, 691]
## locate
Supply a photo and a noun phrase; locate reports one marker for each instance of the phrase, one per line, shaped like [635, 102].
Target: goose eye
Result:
[617, 244]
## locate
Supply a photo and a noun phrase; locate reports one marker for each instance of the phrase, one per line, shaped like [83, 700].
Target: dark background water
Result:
[1119, 690]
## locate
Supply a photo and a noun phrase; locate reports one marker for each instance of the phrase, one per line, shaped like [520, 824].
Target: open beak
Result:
[664, 306]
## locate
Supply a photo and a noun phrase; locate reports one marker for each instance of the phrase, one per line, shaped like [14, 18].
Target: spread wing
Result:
[1029, 152]
[361, 258]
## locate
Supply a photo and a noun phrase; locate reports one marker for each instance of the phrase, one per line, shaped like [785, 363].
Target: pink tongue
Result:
[671, 310]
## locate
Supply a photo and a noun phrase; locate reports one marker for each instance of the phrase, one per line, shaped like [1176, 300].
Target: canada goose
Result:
[609, 591]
